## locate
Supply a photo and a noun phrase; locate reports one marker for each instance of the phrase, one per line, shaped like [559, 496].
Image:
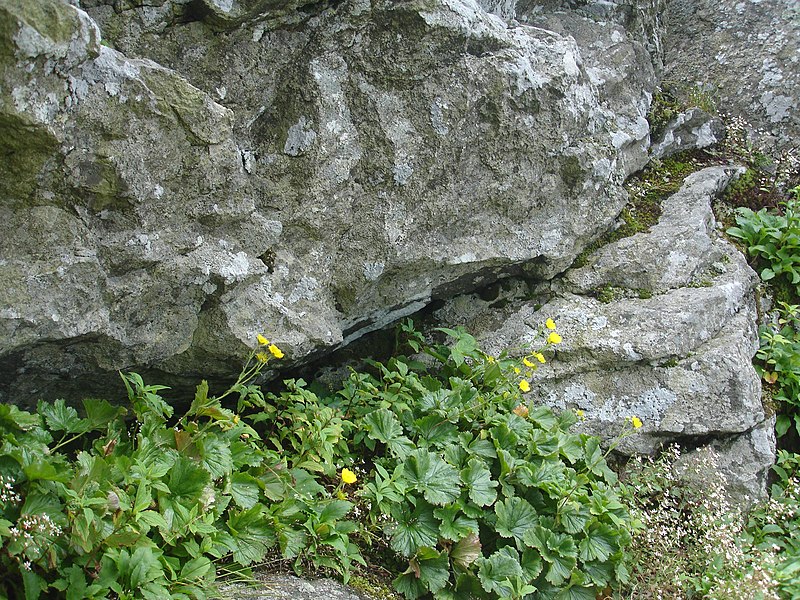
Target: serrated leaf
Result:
[216, 457]
[515, 516]
[599, 544]
[144, 567]
[433, 568]
[429, 474]
[557, 550]
[60, 417]
[244, 490]
[478, 480]
[253, 536]
[409, 585]
[99, 412]
[466, 551]
[574, 517]
[455, 525]
[291, 541]
[436, 431]
[413, 530]
[187, 481]
[383, 426]
[496, 572]
[153, 519]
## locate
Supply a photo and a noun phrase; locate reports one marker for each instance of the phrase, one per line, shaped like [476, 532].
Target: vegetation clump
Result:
[440, 465]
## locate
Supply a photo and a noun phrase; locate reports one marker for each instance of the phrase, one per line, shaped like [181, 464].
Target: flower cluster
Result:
[272, 350]
[7, 493]
[553, 338]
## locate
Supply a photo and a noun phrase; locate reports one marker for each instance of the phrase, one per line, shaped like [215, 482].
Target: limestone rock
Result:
[691, 130]
[312, 181]
[281, 586]
[745, 54]
[674, 347]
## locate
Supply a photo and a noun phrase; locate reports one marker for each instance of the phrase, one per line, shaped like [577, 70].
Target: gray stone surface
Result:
[282, 586]
[746, 54]
[311, 179]
[688, 131]
[674, 347]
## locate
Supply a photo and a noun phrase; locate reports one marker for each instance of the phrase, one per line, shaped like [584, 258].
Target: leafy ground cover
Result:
[438, 465]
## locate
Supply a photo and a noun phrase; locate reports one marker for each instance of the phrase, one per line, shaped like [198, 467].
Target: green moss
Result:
[571, 172]
[372, 588]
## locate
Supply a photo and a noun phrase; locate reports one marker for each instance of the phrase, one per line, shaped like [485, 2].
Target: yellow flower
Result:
[540, 357]
[262, 357]
[528, 363]
[636, 422]
[579, 413]
[262, 341]
[524, 386]
[275, 351]
[348, 476]
[489, 358]
[517, 370]
[550, 324]
[553, 338]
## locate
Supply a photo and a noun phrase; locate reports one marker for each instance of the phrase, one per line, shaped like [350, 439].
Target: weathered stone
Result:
[745, 55]
[674, 348]
[280, 586]
[312, 183]
[694, 129]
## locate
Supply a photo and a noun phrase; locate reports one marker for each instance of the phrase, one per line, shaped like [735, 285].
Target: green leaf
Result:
[412, 530]
[216, 456]
[187, 481]
[153, 519]
[455, 526]
[767, 274]
[76, 583]
[244, 490]
[478, 481]
[383, 426]
[434, 568]
[409, 585]
[253, 536]
[428, 473]
[558, 551]
[197, 568]
[33, 584]
[15, 419]
[436, 431]
[599, 544]
[496, 572]
[515, 516]
[144, 567]
[99, 412]
[45, 471]
[292, 542]
[782, 425]
[60, 417]
[335, 510]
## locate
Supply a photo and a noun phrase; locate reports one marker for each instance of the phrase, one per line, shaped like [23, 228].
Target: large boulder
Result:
[671, 342]
[309, 172]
